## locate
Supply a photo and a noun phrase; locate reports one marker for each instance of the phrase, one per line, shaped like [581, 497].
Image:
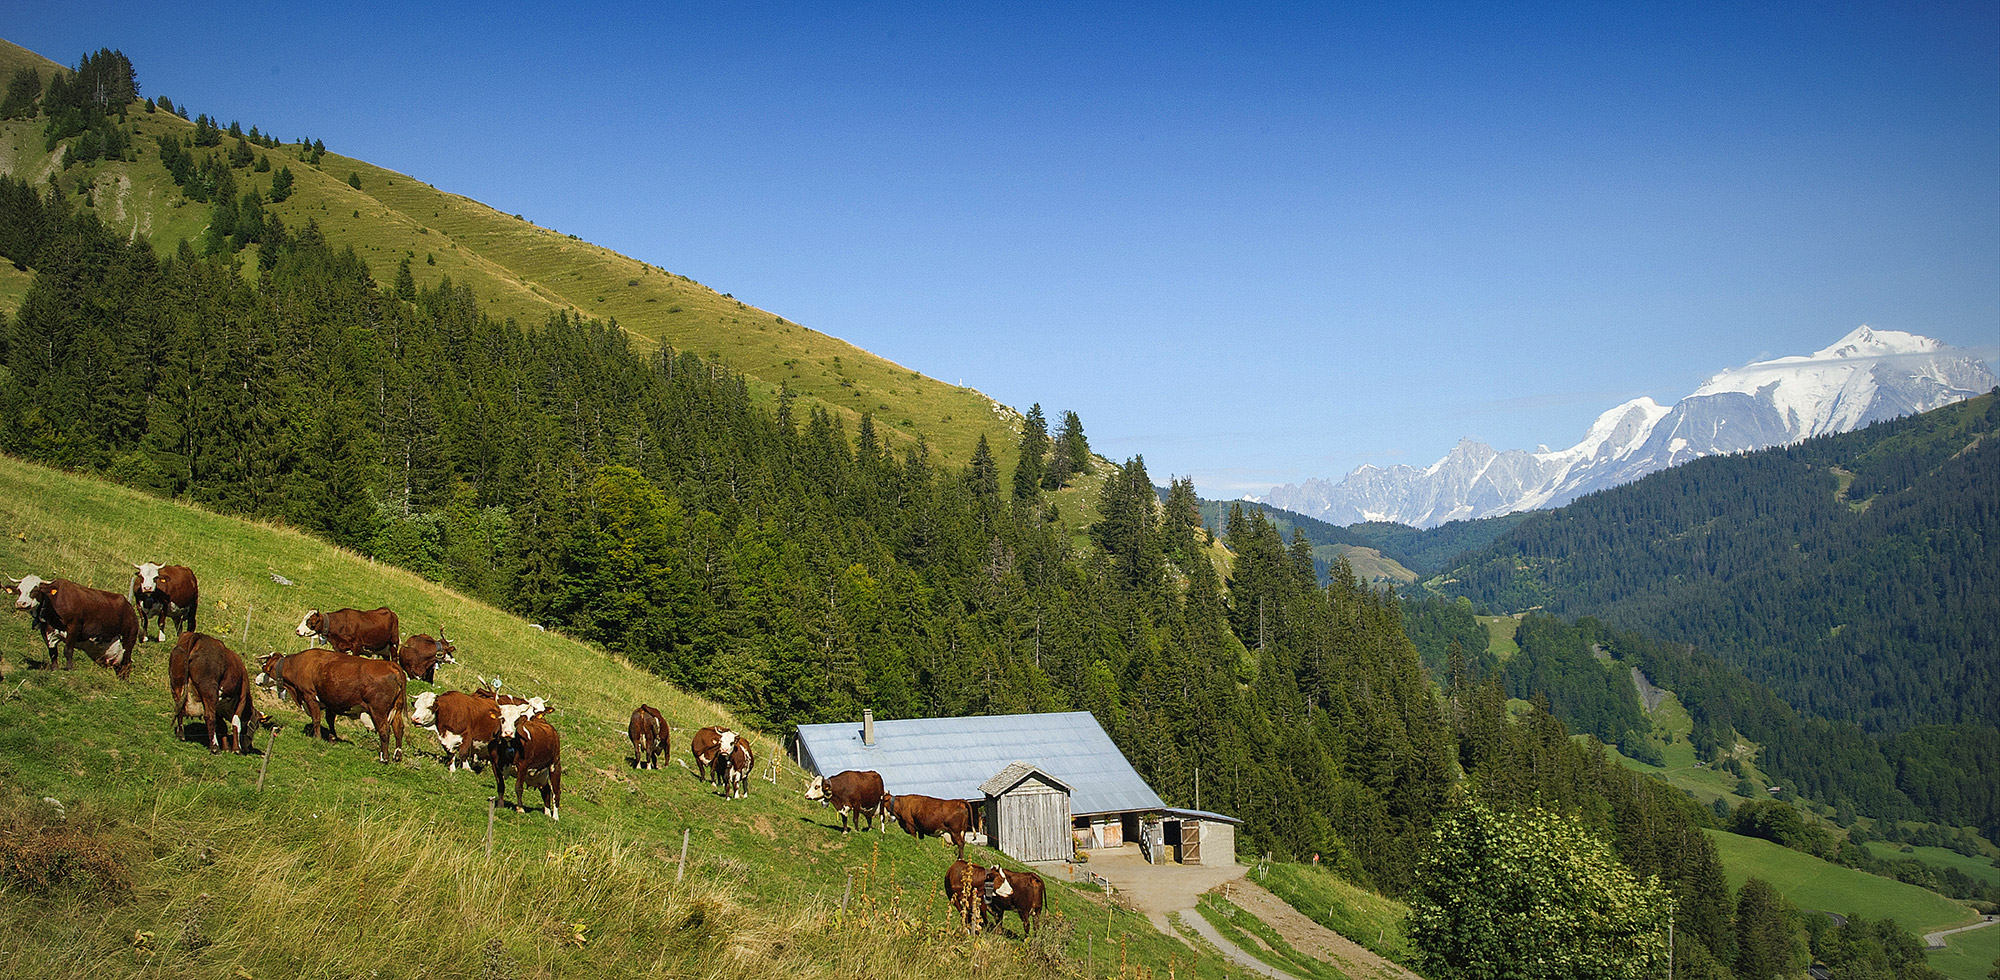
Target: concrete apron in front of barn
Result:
[1158, 890]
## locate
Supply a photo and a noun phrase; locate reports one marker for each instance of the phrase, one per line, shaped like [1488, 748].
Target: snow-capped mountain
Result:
[1867, 376]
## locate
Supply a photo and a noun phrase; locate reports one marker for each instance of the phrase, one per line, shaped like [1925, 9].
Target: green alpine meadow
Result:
[1732, 721]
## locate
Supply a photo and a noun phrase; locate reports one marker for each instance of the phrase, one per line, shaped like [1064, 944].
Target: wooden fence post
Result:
[682, 868]
[266, 765]
[491, 805]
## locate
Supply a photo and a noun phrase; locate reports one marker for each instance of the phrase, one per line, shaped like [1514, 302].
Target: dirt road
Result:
[1157, 890]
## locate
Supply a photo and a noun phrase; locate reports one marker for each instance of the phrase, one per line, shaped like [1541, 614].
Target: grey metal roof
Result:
[950, 757]
[1015, 774]
[1203, 815]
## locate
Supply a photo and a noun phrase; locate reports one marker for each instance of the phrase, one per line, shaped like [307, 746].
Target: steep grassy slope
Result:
[124, 852]
[1811, 883]
[521, 270]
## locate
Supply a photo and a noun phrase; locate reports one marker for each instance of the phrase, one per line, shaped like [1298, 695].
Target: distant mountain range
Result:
[1867, 376]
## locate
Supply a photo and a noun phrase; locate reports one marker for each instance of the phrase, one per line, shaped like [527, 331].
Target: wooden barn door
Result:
[1190, 842]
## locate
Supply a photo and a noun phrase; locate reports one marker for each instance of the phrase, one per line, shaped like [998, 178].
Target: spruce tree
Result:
[1029, 466]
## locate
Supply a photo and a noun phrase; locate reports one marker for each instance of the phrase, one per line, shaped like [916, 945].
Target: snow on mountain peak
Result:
[1866, 376]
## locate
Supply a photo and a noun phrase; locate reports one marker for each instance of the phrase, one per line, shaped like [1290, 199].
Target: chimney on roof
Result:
[868, 726]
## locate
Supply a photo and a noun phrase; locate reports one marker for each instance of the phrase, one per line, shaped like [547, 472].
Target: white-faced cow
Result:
[328, 684]
[650, 737]
[1019, 892]
[71, 615]
[704, 746]
[852, 793]
[201, 668]
[420, 655]
[465, 725]
[353, 630]
[534, 748]
[733, 762]
[164, 592]
[540, 706]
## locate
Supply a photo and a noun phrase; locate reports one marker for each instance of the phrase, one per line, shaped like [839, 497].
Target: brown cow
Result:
[69, 614]
[851, 792]
[329, 683]
[354, 631]
[650, 737]
[963, 884]
[419, 656]
[733, 762]
[535, 749]
[704, 746]
[926, 816]
[164, 592]
[464, 724]
[203, 667]
[1019, 892]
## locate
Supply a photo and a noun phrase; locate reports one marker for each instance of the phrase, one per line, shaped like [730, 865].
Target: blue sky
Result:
[1255, 244]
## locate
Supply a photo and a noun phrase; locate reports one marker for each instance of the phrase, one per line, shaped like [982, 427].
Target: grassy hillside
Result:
[518, 269]
[1811, 883]
[1968, 955]
[124, 852]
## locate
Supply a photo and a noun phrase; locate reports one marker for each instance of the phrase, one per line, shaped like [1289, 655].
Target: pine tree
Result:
[1071, 454]
[983, 476]
[1029, 466]
[1765, 948]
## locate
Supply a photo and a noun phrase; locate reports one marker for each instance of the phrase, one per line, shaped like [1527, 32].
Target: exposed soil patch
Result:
[1310, 937]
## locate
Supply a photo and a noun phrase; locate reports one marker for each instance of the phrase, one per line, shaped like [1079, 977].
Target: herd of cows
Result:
[364, 671]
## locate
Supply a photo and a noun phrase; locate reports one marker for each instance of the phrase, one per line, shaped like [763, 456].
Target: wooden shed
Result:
[1200, 837]
[1027, 814]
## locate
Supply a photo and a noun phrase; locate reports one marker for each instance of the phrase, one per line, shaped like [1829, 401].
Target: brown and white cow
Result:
[463, 723]
[534, 749]
[328, 684]
[703, 747]
[71, 615]
[851, 792]
[1019, 892]
[163, 592]
[733, 762]
[650, 737]
[420, 655]
[354, 630]
[928, 816]
[541, 707]
[202, 668]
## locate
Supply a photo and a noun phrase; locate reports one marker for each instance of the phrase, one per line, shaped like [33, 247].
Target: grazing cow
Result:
[203, 667]
[703, 746]
[164, 592]
[733, 762]
[851, 792]
[541, 707]
[328, 684]
[69, 614]
[420, 655]
[464, 724]
[1019, 892]
[926, 816]
[534, 749]
[650, 738]
[354, 631]
[964, 883]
